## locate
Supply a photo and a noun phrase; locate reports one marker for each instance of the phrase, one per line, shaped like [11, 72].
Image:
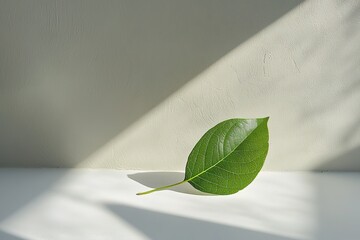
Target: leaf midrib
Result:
[187, 180]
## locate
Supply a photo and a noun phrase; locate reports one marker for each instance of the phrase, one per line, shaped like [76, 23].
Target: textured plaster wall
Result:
[134, 84]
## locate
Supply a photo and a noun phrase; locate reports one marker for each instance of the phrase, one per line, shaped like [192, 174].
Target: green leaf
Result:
[228, 157]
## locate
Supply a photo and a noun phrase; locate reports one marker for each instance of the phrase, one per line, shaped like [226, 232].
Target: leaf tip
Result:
[264, 119]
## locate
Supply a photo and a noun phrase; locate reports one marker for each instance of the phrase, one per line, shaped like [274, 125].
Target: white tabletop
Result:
[44, 204]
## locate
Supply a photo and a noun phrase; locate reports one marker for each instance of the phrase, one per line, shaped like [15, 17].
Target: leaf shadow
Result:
[159, 179]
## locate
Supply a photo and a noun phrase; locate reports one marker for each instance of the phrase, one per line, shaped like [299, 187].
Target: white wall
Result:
[129, 84]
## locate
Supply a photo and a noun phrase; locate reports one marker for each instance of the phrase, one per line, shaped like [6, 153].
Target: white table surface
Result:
[53, 204]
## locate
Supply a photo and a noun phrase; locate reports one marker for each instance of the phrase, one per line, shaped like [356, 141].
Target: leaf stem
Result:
[162, 188]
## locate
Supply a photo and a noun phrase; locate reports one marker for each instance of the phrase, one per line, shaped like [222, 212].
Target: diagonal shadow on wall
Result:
[75, 74]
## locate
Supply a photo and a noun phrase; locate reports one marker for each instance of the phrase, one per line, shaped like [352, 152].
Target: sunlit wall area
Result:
[302, 71]
[132, 85]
